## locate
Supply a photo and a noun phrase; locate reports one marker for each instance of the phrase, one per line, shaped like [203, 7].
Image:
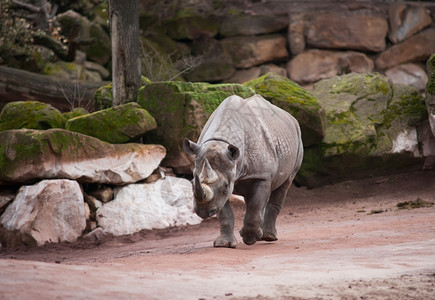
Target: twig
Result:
[27, 6]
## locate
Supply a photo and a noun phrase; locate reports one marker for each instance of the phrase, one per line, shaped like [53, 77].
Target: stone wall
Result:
[306, 41]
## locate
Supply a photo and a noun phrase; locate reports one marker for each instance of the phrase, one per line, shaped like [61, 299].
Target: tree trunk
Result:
[21, 85]
[126, 65]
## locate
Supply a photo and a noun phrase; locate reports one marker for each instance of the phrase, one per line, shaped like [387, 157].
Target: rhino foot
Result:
[225, 242]
[250, 238]
[269, 237]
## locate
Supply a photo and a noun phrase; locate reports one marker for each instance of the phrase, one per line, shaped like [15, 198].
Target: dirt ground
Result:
[343, 241]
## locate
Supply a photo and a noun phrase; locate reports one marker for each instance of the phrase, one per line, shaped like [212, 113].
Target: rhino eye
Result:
[224, 189]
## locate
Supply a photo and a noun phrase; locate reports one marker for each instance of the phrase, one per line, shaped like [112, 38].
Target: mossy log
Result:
[20, 85]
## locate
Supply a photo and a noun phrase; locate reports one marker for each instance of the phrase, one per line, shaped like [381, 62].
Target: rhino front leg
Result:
[256, 200]
[273, 208]
[226, 219]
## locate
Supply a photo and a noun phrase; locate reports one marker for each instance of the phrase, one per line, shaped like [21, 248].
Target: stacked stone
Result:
[62, 178]
[307, 46]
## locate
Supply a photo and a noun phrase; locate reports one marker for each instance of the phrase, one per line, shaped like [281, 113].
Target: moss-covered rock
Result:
[76, 112]
[181, 110]
[31, 115]
[27, 156]
[65, 70]
[103, 97]
[370, 129]
[116, 125]
[300, 103]
[430, 91]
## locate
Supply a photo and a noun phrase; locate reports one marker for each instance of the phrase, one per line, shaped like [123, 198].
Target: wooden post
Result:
[126, 63]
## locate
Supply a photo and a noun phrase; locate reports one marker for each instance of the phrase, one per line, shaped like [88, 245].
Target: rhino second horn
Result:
[208, 174]
[198, 192]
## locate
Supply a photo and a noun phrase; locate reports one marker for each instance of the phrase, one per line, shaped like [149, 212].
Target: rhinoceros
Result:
[248, 147]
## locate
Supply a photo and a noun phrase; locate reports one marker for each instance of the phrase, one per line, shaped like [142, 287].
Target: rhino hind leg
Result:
[273, 209]
[226, 219]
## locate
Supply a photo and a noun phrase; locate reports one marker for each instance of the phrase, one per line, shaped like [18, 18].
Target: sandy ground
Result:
[343, 241]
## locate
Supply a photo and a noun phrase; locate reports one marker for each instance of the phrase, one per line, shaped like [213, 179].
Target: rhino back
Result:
[268, 137]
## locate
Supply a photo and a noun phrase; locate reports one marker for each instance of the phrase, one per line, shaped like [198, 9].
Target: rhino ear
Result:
[233, 152]
[190, 147]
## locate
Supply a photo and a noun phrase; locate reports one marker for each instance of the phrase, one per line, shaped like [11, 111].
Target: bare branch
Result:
[27, 6]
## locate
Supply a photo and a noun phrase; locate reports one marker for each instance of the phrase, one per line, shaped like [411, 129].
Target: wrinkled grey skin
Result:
[251, 148]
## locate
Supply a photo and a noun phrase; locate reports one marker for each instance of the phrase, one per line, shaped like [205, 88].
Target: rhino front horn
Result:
[198, 191]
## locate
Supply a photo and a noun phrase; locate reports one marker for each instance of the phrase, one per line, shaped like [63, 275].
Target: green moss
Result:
[18, 147]
[116, 125]
[430, 87]
[78, 111]
[103, 97]
[65, 70]
[24, 148]
[30, 114]
[361, 84]
[407, 104]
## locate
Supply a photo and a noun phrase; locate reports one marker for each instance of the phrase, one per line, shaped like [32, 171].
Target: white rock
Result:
[95, 235]
[49, 211]
[58, 154]
[164, 203]
[408, 74]
[407, 141]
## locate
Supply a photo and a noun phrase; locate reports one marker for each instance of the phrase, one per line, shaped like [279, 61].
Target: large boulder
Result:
[50, 211]
[408, 74]
[347, 31]
[31, 115]
[164, 203]
[406, 20]
[103, 97]
[116, 125]
[370, 129]
[248, 51]
[289, 96]
[29, 155]
[314, 65]
[70, 71]
[181, 110]
[416, 48]
[430, 92]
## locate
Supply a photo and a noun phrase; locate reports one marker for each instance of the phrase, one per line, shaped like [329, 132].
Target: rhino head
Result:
[213, 176]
